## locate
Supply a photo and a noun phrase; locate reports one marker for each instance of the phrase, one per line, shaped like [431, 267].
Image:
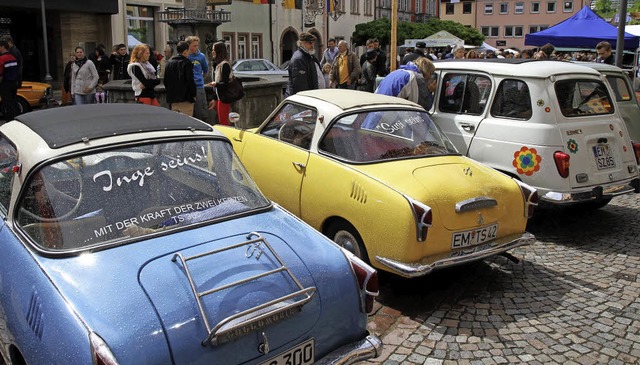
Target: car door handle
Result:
[237, 139]
[468, 127]
[299, 166]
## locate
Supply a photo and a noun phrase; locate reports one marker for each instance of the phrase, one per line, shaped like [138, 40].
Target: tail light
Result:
[562, 163]
[531, 198]
[100, 352]
[423, 217]
[367, 280]
[636, 150]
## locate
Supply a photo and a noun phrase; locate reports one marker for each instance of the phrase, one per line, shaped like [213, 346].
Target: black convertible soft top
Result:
[67, 125]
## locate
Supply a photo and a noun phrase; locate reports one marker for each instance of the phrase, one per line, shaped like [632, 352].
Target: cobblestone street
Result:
[573, 299]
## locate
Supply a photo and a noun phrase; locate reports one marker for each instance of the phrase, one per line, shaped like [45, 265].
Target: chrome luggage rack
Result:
[251, 319]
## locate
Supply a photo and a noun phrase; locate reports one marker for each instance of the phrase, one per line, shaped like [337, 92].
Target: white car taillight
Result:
[530, 198]
[367, 279]
[100, 352]
[422, 216]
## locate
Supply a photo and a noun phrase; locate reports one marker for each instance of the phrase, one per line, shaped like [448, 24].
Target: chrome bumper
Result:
[457, 257]
[597, 193]
[367, 348]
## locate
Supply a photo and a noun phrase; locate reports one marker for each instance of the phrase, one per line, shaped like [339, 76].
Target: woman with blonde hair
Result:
[143, 75]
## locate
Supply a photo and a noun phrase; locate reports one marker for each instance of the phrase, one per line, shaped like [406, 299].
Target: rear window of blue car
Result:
[117, 194]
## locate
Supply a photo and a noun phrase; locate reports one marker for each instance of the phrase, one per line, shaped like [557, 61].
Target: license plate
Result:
[603, 156]
[299, 355]
[474, 236]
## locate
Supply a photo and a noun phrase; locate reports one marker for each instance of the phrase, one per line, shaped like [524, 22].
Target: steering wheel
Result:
[56, 194]
[299, 131]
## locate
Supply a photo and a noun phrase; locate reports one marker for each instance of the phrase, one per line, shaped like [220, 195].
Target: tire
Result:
[347, 237]
[22, 106]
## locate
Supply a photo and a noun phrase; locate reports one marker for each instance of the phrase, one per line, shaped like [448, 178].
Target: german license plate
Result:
[474, 237]
[299, 355]
[603, 156]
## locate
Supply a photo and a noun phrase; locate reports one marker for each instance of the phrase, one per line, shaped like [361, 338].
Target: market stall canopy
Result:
[582, 30]
[439, 39]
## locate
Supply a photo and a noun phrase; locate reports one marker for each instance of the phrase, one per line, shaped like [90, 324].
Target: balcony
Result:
[176, 16]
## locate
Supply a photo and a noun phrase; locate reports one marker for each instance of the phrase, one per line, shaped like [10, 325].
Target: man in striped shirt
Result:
[9, 76]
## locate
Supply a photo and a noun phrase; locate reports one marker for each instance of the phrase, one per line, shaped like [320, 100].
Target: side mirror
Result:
[234, 118]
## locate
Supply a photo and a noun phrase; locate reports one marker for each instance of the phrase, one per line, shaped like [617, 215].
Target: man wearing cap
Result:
[304, 68]
[417, 53]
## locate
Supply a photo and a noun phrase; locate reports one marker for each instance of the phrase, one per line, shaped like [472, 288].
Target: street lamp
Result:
[47, 76]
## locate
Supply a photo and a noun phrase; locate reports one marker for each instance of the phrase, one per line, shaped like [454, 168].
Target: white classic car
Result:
[553, 125]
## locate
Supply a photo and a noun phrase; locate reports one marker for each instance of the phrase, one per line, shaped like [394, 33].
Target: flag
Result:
[332, 5]
[289, 4]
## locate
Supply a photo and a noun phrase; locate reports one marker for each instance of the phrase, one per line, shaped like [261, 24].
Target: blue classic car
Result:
[133, 235]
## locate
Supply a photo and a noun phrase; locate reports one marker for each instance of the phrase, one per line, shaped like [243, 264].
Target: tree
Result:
[604, 8]
[381, 29]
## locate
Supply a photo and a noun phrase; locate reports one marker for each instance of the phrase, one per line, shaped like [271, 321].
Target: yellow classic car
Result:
[377, 176]
[34, 95]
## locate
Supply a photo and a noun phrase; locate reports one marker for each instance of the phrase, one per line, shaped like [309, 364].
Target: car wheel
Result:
[22, 106]
[348, 238]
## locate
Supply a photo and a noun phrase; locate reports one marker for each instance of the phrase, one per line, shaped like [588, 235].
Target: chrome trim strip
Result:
[367, 348]
[476, 203]
[609, 191]
[466, 255]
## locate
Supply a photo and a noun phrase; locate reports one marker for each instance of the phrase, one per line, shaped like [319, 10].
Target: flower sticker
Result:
[572, 145]
[527, 161]
[540, 102]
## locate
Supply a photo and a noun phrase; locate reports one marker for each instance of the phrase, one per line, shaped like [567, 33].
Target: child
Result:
[326, 70]
[101, 95]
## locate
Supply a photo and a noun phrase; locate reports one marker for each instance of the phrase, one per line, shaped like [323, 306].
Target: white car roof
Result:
[348, 99]
[516, 67]
[48, 133]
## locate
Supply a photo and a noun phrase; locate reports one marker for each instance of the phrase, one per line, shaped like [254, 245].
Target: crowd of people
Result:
[184, 74]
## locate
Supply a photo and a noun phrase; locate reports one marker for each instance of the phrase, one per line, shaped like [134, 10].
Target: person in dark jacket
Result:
[15, 52]
[120, 61]
[304, 68]
[417, 53]
[9, 75]
[178, 81]
[367, 80]
[66, 84]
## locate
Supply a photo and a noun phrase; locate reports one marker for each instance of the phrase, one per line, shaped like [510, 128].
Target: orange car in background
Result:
[34, 95]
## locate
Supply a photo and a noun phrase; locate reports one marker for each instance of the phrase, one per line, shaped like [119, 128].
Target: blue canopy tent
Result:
[582, 30]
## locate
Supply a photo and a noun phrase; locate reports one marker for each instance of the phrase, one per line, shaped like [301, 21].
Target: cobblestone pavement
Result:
[573, 299]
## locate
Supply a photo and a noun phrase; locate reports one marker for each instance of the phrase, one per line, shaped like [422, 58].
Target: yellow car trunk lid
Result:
[482, 195]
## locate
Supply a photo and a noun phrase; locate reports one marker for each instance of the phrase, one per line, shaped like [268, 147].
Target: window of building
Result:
[537, 28]
[229, 41]
[518, 30]
[535, 8]
[508, 30]
[242, 46]
[256, 46]
[488, 9]
[504, 8]
[449, 8]
[367, 7]
[567, 6]
[490, 31]
[355, 6]
[140, 23]
[418, 6]
[466, 7]
[551, 7]
[518, 8]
